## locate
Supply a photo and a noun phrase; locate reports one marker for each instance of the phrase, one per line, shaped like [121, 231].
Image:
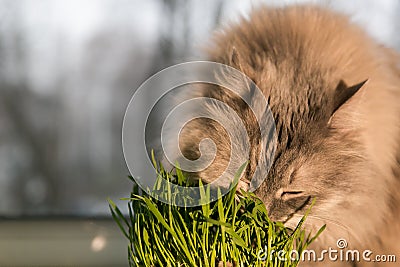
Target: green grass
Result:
[221, 233]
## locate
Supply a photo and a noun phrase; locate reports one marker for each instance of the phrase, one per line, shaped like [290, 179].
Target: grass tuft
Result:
[226, 232]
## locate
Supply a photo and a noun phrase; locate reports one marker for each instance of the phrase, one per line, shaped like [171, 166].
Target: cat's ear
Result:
[343, 93]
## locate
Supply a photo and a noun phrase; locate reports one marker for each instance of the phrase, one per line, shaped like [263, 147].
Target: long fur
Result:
[348, 160]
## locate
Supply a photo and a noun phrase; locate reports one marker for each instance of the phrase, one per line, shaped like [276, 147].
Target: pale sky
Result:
[66, 26]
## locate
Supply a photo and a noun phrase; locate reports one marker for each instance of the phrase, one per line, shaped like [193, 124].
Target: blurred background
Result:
[68, 69]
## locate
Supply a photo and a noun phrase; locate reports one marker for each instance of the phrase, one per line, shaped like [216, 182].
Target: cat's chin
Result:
[333, 235]
[312, 226]
[330, 237]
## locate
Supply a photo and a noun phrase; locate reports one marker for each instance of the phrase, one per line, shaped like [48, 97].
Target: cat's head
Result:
[317, 148]
[316, 154]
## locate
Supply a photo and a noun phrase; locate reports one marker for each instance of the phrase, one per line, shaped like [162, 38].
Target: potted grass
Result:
[232, 231]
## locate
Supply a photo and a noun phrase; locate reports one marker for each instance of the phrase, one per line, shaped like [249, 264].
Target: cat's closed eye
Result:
[294, 199]
[291, 194]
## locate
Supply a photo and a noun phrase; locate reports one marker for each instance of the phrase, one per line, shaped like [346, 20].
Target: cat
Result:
[335, 96]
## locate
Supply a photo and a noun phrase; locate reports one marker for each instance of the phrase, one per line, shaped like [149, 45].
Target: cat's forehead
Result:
[294, 90]
[298, 103]
[298, 112]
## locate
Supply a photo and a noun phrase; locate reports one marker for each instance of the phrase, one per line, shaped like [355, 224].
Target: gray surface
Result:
[61, 243]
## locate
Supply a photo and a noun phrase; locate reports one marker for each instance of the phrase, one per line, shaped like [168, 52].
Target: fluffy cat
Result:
[335, 96]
